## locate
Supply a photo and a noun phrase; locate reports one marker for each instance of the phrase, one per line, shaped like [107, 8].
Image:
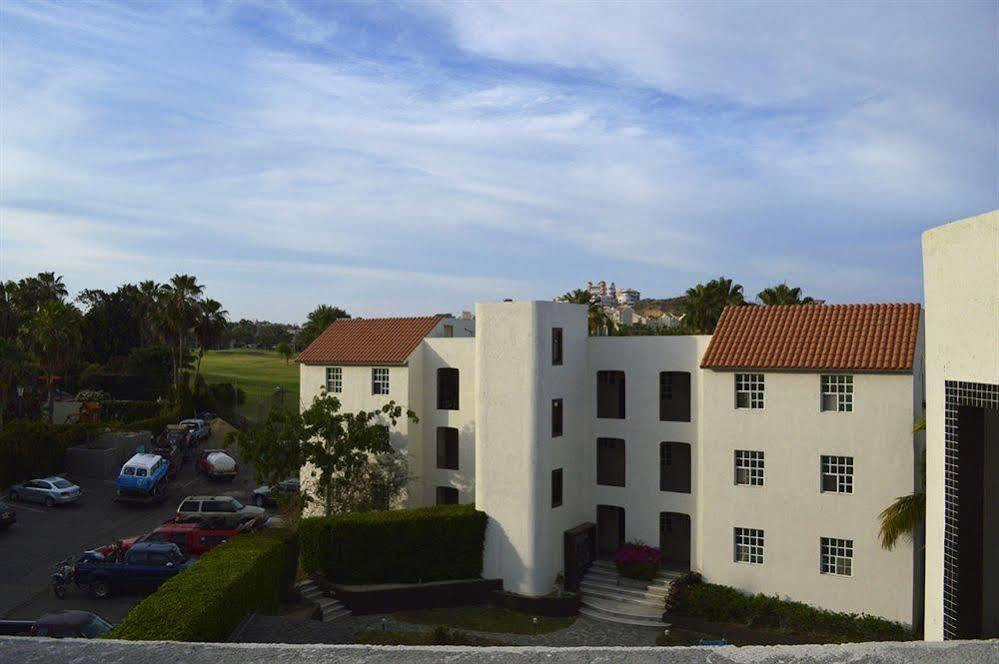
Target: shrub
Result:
[130, 411]
[36, 449]
[677, 593]
[638, 561]
[429, 544]
[725, 604]
[206, 601]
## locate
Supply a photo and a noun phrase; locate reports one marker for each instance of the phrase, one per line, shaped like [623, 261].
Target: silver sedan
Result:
[51, 491]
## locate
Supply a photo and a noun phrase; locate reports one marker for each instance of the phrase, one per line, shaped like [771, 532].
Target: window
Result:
[837, 556]
[557, 345]
[674, 396]
[749, 467]
[556, 487]
[556, 418]
[837, 393]
[674, 467]
[379, 381]
[190, 506]
[449, 330]
[610, 394]
[749, 391]
[447, 448]
[447, 389]
[749, 546]
[447, 495]
[610, 461]
[334, 380]
[837, 474]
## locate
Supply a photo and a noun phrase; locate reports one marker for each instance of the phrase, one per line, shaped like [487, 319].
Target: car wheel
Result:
[100, 590]
[59, 590]
[49, 502]
[258, 501]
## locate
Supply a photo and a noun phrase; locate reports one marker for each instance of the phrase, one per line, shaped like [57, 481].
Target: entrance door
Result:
[610, 530]
[674, 539]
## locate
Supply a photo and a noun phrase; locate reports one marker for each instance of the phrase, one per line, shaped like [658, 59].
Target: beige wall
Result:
[961, 290]
[790, 508]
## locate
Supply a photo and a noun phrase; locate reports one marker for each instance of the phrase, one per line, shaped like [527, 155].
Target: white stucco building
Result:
[961, 287]
[760, 456]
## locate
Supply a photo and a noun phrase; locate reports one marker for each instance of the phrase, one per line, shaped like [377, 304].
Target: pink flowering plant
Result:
[638, 561]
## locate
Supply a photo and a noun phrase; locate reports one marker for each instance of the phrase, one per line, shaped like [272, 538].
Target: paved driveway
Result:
[42, 537]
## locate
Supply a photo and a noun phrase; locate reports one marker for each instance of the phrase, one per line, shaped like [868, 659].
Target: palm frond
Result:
[901, 518]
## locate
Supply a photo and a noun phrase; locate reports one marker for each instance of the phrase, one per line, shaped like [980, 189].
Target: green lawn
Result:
[256, 372]
[483, 618]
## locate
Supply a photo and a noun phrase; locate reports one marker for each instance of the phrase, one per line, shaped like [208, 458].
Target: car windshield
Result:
[62, 484]
[95, 628]
[128, 470]
[236, 504]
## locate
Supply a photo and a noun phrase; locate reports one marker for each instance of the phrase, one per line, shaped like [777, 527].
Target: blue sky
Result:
[401, 158]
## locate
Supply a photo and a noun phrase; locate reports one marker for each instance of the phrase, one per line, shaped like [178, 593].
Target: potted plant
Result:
[638, 561]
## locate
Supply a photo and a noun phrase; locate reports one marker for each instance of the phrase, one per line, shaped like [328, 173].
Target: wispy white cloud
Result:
[292, 153]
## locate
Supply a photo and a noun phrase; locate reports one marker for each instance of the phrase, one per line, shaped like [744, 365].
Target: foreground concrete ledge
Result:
[31, 650]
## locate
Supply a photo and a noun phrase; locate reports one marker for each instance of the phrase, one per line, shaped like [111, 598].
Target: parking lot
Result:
[30, 549]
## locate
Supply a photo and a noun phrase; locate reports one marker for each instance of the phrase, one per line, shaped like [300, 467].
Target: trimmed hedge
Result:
[206, 601]
[725, 604]
[38, 449]
[428, 544]
[130, 411]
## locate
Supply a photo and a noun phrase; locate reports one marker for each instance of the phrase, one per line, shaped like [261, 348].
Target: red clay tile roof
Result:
[840, 337]
[368, 341]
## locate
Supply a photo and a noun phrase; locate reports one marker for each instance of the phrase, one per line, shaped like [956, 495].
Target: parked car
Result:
[144, 567]
[177, 435]
[223, 509]
[199, 429]
[51, 491]
[218, 465]
[194, 537]
[207, 416]
[8, 515]
[62, 624]
[143, 479]
[173, 454]
[267, 496]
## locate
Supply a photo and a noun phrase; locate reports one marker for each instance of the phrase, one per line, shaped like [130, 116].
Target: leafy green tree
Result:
[349, 456]
[176, 315]
[14, 367]
[54, 336]
[209, 327]
[319, 319]
[783, 294]
[284, 350]
[906, 514]
[598, 321]
[704, 304]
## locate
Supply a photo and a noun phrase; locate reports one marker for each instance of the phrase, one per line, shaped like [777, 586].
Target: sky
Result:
[401, 158]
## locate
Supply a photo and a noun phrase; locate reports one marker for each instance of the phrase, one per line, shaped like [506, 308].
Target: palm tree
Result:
[210, 326]
[319, 319]
[908, 513]
[176, 316]
[13, 366]
[783, 294]
[704, 303]
[597, 319]
[54, 335]
[148, 293]
[10, 313]
[51, 287]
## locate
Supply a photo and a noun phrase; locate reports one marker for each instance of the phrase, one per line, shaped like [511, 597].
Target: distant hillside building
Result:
[610, 296]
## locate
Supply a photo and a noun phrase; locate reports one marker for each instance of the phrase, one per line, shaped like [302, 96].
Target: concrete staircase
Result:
[607, 596]
[331, 608]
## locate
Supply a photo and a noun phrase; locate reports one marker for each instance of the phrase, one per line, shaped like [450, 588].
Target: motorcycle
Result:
[62, 577]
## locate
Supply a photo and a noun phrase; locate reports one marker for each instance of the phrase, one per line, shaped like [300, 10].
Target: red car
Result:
[192, 537]
[218, 465]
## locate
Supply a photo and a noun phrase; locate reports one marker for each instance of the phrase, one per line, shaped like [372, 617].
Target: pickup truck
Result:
[144, 567]
[192, 537]
[199, 429]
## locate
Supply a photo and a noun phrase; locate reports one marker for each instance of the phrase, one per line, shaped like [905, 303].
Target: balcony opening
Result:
[610, 461]
[674, 467]
[674, 396]
[610, 394]
[447, 389]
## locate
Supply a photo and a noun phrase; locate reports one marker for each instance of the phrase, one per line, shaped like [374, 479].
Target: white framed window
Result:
[749, 467]
[379, 380]
[837, 474]
[749, 546]
[837, 393]
[334, 380]
[749, 391]
[837, 556]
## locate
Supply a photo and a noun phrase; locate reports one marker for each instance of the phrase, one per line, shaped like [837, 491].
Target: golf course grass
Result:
[256, 372]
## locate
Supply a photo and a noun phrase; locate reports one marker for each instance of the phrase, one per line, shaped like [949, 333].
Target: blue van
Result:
[143, 479]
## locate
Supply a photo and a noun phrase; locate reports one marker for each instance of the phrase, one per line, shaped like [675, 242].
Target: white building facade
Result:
[546, 428]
